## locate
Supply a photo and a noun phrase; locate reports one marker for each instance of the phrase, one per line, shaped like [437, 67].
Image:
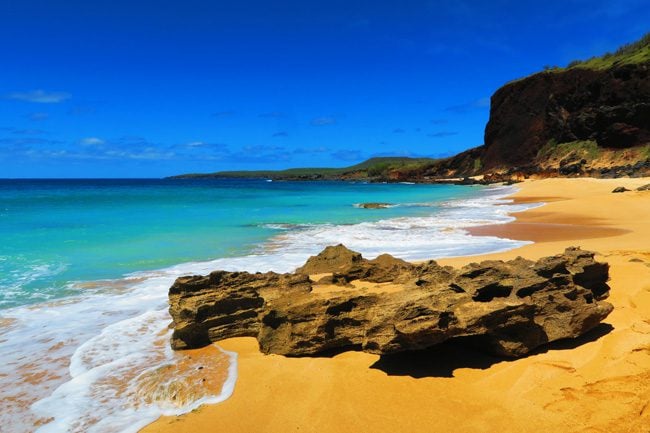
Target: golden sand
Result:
[599, 383]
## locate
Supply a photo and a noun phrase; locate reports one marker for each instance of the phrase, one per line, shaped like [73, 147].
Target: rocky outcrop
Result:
[511, 307]
[610, 107]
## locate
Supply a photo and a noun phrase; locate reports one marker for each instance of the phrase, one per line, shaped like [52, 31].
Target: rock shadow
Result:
[465, 352]
[437, 361]
[596, 333]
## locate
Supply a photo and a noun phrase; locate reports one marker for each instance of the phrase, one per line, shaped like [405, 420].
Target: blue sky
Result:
[155, 88]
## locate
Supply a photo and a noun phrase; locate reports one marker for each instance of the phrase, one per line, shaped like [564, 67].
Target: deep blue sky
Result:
[154, 88]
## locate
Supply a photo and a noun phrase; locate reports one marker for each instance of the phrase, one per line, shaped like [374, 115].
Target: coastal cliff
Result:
[590, 119]
[340, 301]
[609, 107]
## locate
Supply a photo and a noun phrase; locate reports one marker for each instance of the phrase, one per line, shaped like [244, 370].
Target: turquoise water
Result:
[58, 231]
[85, 268]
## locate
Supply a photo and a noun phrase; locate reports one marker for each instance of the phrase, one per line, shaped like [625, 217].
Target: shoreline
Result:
[600, 382]
[139, 301]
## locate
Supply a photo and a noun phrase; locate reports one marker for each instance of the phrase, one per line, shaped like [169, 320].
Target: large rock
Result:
[511, 307]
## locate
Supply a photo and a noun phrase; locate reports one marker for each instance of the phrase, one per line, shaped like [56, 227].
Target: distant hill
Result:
[379, 168]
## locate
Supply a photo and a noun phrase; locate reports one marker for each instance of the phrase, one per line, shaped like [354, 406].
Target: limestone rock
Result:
[331, 259]
[225, 304]
[511, 307]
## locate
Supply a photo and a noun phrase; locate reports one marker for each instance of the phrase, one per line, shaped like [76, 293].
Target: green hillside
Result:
[379, 167]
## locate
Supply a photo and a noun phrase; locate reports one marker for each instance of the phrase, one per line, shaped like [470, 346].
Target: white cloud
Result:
[92, 141]
[40, 96]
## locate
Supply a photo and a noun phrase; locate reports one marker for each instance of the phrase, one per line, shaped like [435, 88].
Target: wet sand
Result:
[598, 383]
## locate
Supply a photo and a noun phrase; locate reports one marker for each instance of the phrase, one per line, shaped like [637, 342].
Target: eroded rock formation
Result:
[387, 305]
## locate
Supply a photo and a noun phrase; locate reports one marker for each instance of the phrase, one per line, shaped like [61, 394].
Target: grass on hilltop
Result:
[628, 54]
[632, 53]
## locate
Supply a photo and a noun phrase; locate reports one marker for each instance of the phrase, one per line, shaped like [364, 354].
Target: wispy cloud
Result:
[40, 96]
[94, 148]
[311, 150]
[199, 150]
[399, 131]
[98, 148]
[323, 121]
[16, 143]
[438, 121]
[19, 131]
[441, 134]
[280, 134]
[262, 148]
[38, 116]
[127, 147]
[201, 145]
[469, 106]
[92, 141]
[264, 153]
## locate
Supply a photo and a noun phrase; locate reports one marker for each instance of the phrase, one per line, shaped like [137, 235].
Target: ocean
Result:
[85, 266]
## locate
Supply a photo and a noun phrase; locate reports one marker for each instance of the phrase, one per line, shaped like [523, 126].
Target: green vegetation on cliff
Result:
[587, 149]
[632, 53]
[629, 54]
[555, 155]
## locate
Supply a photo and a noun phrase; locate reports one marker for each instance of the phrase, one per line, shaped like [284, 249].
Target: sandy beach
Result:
[598, 383]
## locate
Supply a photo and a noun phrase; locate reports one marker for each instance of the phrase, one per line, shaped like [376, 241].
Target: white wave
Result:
[440, 234]
[103, 394]
[19, 272]
[121, 330]
[285, 226]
